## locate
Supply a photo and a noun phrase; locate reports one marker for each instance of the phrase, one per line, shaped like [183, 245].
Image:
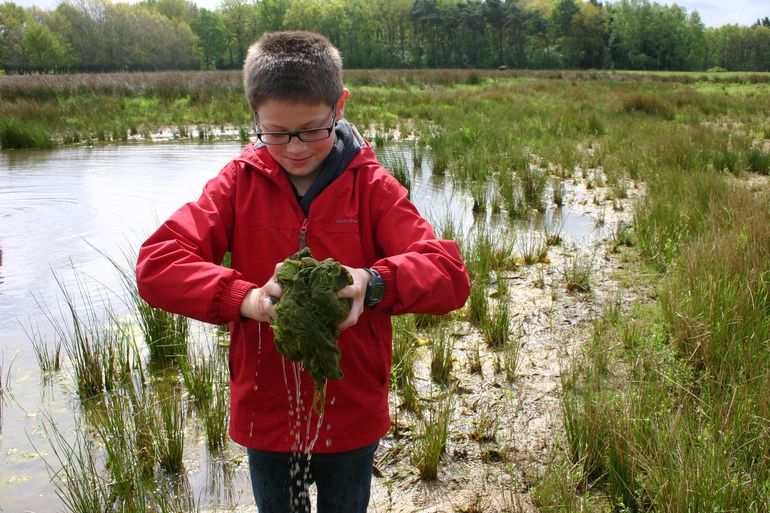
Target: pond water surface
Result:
[56, 208]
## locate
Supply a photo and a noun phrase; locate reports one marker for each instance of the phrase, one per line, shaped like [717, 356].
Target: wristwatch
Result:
[375, 289]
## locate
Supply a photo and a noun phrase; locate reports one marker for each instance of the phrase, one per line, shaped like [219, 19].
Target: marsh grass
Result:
[216, 416]
[533, 249]
[169, 435]
[558, 190]
[78, 480]
[99, 348]
[48, 358]
[399, 168]
[510, 358]
[485, 425]
[433, 431]
[496, 325]
[404, 357]
[578, 272]
[20, 134]
[758, 161]
[198, 370]
[442, 360]
[668, 403]
[533, 184]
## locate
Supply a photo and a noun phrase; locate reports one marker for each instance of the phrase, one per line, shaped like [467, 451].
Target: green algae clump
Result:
[307, 315]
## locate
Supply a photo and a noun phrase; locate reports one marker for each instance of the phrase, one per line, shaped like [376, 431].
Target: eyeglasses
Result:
[308, 135]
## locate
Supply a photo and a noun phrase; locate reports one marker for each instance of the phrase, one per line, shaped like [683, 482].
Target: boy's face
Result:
[301, 160]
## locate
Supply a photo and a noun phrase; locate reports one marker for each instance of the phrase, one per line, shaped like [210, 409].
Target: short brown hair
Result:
[292, 65]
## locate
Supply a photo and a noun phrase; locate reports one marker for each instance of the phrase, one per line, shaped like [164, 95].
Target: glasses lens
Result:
[276, 138]
[317, 134]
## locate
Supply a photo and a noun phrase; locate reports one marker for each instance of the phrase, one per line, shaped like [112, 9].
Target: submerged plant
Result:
[307, 315]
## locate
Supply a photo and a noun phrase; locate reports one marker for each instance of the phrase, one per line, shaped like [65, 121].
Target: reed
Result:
[48, 358]
[20, 134]
[758, 160]
[198, 372]
[496, 325]
[533, 249]
[404, 357]
[97, 347]
[169, 437]
[558, 190]
[510, 357]
[77, 477]
[215, 418]
[399, 168]
[474, 360]
[433, 430]
[485, 425]
[164, 333]
[442, 360]
[577, 272]
[533, 183]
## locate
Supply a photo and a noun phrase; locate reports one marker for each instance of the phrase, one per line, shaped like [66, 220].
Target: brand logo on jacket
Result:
[347, 220]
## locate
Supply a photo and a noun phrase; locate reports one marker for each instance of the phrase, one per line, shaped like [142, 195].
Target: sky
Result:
[713, 13]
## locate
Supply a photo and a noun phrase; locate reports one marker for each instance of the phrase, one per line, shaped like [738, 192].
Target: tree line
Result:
[99, 35]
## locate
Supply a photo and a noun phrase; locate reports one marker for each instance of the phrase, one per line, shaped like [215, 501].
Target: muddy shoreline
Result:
[497, 474]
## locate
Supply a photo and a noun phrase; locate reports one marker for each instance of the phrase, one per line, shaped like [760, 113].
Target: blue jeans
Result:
[280, 481]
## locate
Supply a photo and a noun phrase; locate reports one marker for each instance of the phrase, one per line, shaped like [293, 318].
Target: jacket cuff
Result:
[232, 297]
[389, 277]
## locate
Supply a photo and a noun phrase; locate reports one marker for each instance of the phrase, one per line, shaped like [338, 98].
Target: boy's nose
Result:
[296, 142]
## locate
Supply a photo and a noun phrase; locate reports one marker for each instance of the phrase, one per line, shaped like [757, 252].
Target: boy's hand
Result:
[356, 292]
[259, 303]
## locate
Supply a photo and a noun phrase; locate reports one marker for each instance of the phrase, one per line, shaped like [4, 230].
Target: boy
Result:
[311, 181]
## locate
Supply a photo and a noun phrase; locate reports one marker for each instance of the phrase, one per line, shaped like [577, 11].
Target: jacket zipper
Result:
[303, 235]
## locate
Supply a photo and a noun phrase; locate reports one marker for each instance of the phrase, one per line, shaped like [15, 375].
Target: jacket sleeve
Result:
[178, 268]
[422, 274]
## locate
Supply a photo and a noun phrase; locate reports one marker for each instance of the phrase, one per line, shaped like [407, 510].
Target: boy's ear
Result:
[341, 103]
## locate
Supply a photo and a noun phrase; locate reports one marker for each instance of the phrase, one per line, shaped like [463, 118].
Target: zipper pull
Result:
[303, 235]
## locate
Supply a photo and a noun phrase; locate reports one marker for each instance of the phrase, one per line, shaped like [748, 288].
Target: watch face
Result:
[375, 289]
[378, 290]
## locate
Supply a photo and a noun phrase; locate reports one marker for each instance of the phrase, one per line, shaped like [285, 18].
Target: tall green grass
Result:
[668, 408]
[433, 432]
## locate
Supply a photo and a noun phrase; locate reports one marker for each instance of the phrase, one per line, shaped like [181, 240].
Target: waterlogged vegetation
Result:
[655, 381]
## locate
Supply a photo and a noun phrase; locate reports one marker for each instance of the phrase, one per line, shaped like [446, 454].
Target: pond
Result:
[62, 213]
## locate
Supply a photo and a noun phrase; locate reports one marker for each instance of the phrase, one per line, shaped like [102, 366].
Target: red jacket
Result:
[362, 219]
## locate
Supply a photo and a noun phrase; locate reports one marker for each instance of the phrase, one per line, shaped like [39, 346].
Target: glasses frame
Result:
[296, 133]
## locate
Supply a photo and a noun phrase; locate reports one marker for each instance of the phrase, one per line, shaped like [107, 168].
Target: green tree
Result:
[586, 43]
[494, 12]
[396, 28]
[239, 17]
[516, 33]
[43, 50]
[271, 13]
[651, 36]
[85, 26]
[12, 19]
[212, 37]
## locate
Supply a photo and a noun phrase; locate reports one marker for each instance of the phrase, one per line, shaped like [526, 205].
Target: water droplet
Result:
[256, 387]
[328, 427]
[334, 398]
[328, 442]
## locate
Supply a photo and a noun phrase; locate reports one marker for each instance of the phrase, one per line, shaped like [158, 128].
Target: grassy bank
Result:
[666, 408]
